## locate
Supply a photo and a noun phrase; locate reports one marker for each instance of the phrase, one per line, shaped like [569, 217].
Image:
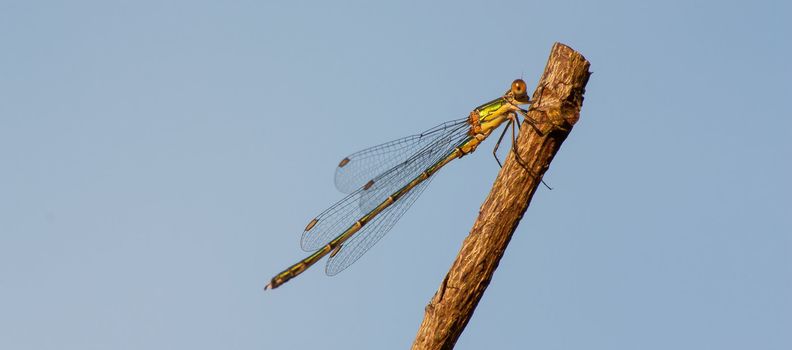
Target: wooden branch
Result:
[557, 102]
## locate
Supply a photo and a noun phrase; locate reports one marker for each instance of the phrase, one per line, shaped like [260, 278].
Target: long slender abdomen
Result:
[336, 244]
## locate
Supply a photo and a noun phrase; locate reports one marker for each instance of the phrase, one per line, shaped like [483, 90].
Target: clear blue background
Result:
[160, 160]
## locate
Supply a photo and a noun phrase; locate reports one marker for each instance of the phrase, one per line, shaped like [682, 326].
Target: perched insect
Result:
[383, 182]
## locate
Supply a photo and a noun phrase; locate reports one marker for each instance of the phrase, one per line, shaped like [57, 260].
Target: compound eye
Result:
[518, 87]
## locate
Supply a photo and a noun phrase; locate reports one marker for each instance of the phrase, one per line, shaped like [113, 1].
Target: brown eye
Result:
[518, 87]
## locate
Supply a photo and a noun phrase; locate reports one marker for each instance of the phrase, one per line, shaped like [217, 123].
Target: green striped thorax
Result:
[493, 113]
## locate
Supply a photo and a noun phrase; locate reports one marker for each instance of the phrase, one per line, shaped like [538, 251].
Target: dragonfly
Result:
[383, 181]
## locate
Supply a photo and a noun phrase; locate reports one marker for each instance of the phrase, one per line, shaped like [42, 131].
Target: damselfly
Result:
[383, 182]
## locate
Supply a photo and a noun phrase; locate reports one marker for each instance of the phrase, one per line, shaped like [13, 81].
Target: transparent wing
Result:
[360, 167]
[343, 214]
[378, 189]
[370, 234]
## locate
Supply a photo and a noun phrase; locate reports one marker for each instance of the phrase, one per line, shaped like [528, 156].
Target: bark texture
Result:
[557, 102]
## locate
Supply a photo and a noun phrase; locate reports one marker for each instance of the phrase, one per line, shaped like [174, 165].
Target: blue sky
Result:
[160, 160]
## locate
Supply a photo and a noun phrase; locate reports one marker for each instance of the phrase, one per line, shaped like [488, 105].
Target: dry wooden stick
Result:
[557, 102]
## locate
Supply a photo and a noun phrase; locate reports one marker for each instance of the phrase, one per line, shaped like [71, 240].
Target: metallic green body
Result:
[483, 119]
